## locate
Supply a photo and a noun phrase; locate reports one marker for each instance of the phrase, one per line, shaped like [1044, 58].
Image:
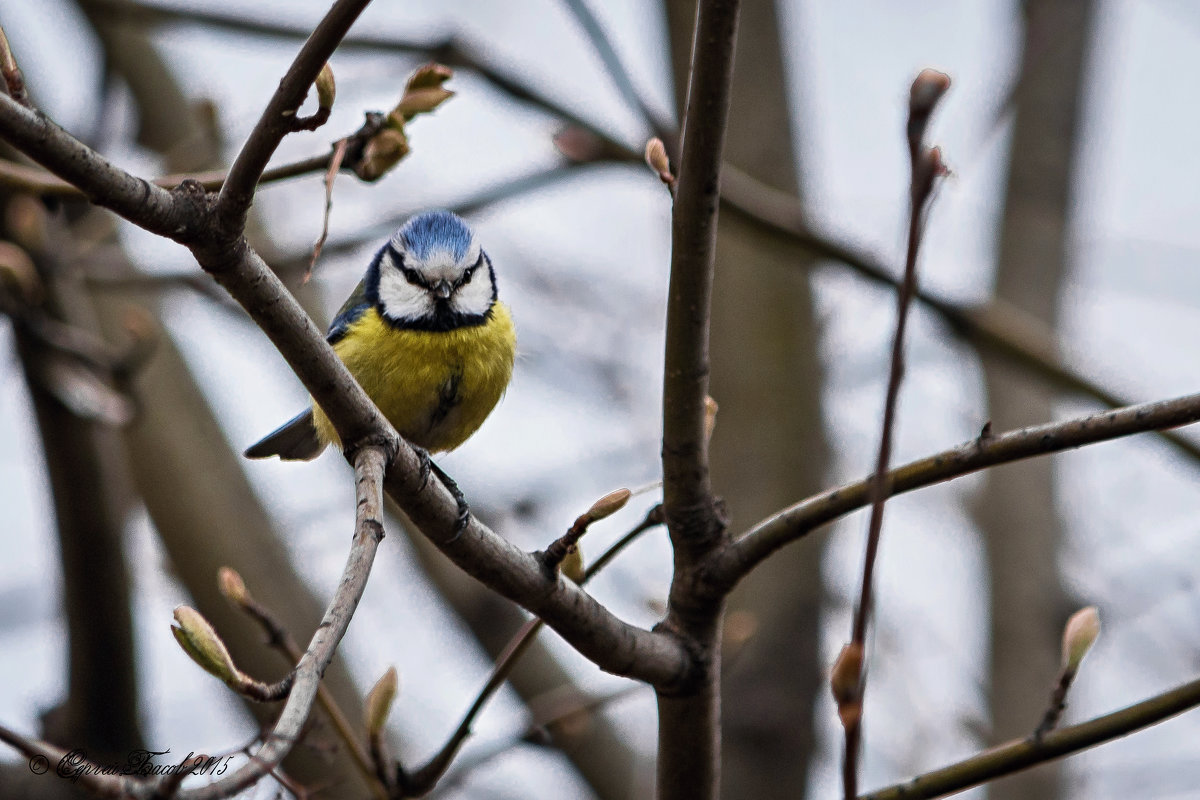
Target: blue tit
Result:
[424, 335]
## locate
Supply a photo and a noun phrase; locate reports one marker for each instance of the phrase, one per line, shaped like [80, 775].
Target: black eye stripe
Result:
[410, 274]
[414, 277]
[470, 271]
[417, 279]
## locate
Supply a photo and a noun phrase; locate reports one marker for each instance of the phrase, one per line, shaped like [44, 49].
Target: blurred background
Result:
[1068, 222]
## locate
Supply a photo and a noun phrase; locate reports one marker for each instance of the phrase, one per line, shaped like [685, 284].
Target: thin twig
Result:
[427, 776]
[369, 465]
[335, 164]
[618, 72]
[1021, 754]
[740, 558]
[279, 118]
[927, 89]
[279, 638]
[14, 81]
[996, 325]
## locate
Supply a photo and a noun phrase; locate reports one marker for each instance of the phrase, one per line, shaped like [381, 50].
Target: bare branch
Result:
[997, 325]
[927, 89]
[369, 465]
[279, 117]
[1022, 754]
[552, 557]
[426, 777]
[686, 489]
[102, 182]
[617, 71]
[281, 639]
[738, 559]
[689, 722]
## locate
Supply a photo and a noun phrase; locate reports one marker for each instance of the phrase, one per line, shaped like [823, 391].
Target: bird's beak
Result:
[442, 290]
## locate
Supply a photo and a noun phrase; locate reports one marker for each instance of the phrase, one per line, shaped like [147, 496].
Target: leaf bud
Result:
[1078, 637]
[379, 701]
[201, 642]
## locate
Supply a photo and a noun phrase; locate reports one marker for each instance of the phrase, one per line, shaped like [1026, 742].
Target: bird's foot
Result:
[464, 511]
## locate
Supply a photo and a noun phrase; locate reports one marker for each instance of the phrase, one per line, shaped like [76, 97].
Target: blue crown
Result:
[433, 231]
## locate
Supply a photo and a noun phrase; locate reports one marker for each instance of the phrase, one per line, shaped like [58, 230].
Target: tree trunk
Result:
[1017, 511]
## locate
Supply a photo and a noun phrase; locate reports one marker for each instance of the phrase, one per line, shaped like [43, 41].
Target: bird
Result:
[426, 336]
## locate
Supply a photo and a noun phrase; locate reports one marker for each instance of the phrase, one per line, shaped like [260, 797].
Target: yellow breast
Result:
[436, 388]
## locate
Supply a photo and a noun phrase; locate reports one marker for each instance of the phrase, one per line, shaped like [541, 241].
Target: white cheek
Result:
[400, 299]
[476, 296]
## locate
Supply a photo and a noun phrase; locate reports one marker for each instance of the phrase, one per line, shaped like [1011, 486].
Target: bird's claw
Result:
[464, 511]
[426, 466]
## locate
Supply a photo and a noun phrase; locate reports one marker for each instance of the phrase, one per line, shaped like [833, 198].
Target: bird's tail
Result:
[295, 440]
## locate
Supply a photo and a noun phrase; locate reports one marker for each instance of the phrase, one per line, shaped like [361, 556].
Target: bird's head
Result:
[432, 274]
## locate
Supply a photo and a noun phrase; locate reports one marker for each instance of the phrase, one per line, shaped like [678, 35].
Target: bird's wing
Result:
[351, 310]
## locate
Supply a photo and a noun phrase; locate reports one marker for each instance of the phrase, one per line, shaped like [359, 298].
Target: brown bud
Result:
[656, 156]
[846, 676]
[710, 417]
[926, 90]
[424, 92]
[383, 151]
[608, 505]
[428, 76]
[232, 586]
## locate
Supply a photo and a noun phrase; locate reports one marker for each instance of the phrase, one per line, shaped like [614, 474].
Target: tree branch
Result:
[925, 167]
[369, 466]
[279, 638]
[738, 559]
[996, 325]
[279, 118]
[1021, 754]
[689, 729]
[101, 181]
[425, 778]
[686, 490]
